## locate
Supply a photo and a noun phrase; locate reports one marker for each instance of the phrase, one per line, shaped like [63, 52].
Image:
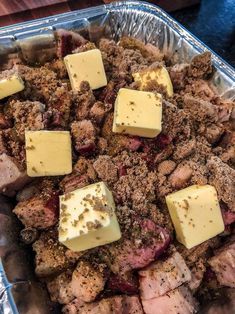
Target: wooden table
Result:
[16, 11]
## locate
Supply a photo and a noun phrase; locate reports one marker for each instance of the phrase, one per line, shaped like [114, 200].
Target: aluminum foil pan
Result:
[35, 43]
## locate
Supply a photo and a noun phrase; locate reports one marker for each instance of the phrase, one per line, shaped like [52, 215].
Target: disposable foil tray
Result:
[34, 41]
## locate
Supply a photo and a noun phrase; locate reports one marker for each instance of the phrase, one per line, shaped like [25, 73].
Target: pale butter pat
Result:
[138, 113]
[48, 153]
[87, 218]
[159, 75]
[86, 66]
[11, 85]
[196, 214]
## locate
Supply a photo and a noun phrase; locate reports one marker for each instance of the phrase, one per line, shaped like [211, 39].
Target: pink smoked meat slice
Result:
[12, 178]
[178, 301]
[223, 264]
[113, 305]
[128, 255]
[163, 276]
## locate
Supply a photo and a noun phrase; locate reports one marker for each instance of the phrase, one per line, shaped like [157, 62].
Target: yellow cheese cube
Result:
[196, 214]
[86, 66]
[10, 85]
[48, 153]
[87, 218]
[160, 75]
[138, 113]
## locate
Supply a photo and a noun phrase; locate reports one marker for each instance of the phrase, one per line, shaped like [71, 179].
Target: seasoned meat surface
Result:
[161, 277]
[147, 269]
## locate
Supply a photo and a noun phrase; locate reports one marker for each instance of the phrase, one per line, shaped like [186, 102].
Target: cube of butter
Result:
[138, 113]
[159, 75]
[48, 153]
[86, 66]
[87, 218]
[196, 214]
[11, 85]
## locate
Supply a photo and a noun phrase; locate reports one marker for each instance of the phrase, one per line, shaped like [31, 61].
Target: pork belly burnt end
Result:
[39, 211]
[139, 252]
[87, 282]
[115, 305]
[60, 288]
[51, 257]
[84, 135]
[223, 264]
[201, 66]
[27, 115]
[163, 276]
[106, 169]
[178, 301]
[12, 176]
[67, 41]
[222, 177]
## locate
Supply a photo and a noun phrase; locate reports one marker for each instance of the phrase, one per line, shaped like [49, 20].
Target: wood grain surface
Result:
[16, 11]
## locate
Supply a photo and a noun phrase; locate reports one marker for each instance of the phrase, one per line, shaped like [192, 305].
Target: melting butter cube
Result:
[138, 113]
[196, 214]
[10, 85]
[87, 218]
[48, 153]
[159, 75]
[86, 66]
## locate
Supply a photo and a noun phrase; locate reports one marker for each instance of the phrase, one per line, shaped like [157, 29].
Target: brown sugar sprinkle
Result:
[32, 147]
[67, 196]
[34, 169]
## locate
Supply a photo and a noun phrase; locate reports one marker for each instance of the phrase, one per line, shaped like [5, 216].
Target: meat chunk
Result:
[40, 83]
[87, 282]
[166, 167]
[38, 212]
[222, 177]
[130, 254]
[184, 149]
[202, 89]
[12, 176]
[27, 115]
[98, 111]
[228, 216]
[83, 133]
[163, 276]
[178, 74]
[199, 109]
[146, 50]
[223, 264]
[201, 66]
[178, 301]
[83, 102]
[60, 288]
[50, 256]
[59, 105]
[172, 120]
[224, 303]
[115, 305]
[126, 283]
[106, 169]
[213, 133]
[197, 273]
[74, 181]
[181, 175]
[67, 41]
